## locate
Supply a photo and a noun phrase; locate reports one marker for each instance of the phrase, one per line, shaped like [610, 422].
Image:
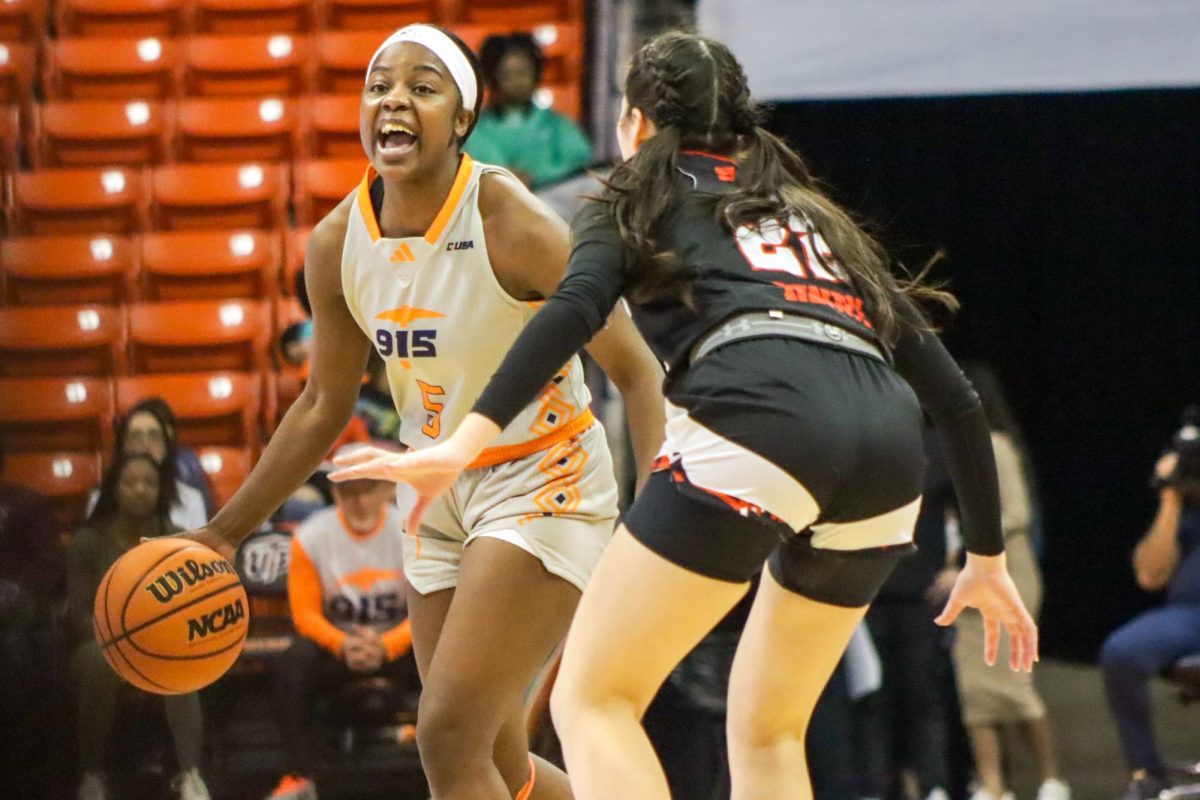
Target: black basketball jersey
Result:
[781, 265]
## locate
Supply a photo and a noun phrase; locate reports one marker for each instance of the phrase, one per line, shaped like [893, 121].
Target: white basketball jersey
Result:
[436, 314]
[362, 575]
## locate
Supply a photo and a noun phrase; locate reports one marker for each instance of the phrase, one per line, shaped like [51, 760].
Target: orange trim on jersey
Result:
[498, 455]
[456, 192]
[461, 179]
[707, 154]
[363, 535]
[306, 601]
[365, 209]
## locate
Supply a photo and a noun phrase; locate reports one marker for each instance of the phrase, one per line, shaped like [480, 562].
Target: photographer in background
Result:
[1167, 557]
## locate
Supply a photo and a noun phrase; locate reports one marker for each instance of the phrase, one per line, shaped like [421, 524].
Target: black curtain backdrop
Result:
[1071, 228]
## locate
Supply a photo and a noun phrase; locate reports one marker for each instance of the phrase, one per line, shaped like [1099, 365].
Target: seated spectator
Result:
[346, 588]
[992, 698]
[149, 428]
[132, 505]
[1167, 557]
[539, 145]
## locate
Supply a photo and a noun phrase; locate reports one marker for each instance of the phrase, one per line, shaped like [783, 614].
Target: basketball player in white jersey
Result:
[436, 262]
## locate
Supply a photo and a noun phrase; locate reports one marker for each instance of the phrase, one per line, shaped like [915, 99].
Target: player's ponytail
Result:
[696, 94]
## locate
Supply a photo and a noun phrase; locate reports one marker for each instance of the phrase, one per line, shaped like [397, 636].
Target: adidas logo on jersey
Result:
[468, 244]
[403, 253]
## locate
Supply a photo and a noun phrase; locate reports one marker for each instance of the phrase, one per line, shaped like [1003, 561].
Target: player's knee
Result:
[446, 732]
[758, 731]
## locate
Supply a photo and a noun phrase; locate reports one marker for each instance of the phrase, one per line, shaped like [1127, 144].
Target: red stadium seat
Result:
[21, 20]
[380, 16]
[561, 42]
[253, 16]
[10, 137]
[123, 69]
[247, 65]
[342, 58]
[220, 196]
[331, 126]
[321, 185]
[65, 479]
[226, 468]
[237, 129]
[210, 265]
[121, 17]
[48, 414]
[41, 341]
[100, 133]
[79, 201]
[519, 12]
[17, 67]
[197, 335]
[293, 262]
[213, 408]
[49, 270]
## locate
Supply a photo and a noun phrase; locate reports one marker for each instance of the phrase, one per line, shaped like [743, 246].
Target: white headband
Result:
[444, 48]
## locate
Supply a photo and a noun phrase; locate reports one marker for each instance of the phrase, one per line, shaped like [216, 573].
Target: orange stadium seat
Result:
[322, 184]
[100, 133]
[379, 16]
[22, 20]
[237, 129]
[49, 414]
[247, 65]
[342, 58]
[121, 17]
[519, 12]
[119, 68]
[10, 137]
[226, 468]
[210, 265]
[65, 479]
[221, 196]
[253, 16]
[293, 262]
[561, 42]
[42, 341]
[49, 270]
[103, 200]
[196, 335]
[17, 67]
[213, 408]
[331, 126]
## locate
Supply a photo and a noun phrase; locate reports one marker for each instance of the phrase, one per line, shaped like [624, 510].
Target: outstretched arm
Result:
[312, 424]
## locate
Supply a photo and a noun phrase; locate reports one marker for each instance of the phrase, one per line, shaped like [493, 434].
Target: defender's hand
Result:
[431, 472]
[984, 584]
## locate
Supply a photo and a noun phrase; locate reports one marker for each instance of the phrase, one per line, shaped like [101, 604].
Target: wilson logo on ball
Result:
[216, 621]
[172, 583]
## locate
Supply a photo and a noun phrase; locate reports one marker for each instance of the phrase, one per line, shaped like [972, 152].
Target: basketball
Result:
[170, 616]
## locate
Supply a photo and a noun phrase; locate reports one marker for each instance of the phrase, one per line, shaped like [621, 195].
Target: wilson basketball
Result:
[170, 616]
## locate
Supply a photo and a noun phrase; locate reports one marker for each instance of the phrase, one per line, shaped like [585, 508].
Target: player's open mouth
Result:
[396, 139]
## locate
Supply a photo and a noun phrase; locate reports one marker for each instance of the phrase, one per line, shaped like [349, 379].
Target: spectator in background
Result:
[539, 145]
[346, 589]
[149, 428]
[1167, 557]
[375, 405]
[132, 505]
[996, 698]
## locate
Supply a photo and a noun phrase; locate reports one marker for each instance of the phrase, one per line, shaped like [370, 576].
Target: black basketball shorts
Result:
[777, 450]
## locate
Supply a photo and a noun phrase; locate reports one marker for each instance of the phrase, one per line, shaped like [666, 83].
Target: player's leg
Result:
[498, 627]
[640, 615]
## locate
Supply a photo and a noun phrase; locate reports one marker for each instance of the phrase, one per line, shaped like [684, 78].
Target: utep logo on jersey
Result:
[402, 342]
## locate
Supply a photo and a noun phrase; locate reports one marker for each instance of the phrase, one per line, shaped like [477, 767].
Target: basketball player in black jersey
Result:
[798, 367]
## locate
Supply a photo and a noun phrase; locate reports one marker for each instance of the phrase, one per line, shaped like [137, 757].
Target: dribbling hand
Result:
[984, 584]
[210, 540]
[431, 472]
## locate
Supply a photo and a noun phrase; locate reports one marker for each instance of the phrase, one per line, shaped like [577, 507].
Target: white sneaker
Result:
[1054, 789]
[191, 786]
[92, 787]
[937, 793]
[984, 794]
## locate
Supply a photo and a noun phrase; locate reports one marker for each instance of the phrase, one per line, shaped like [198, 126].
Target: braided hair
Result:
[695, 92]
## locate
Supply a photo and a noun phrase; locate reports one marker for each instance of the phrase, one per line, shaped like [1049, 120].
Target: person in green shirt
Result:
[539, 145]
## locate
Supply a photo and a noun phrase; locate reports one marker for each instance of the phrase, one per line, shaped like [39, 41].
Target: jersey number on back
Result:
[797, 249]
